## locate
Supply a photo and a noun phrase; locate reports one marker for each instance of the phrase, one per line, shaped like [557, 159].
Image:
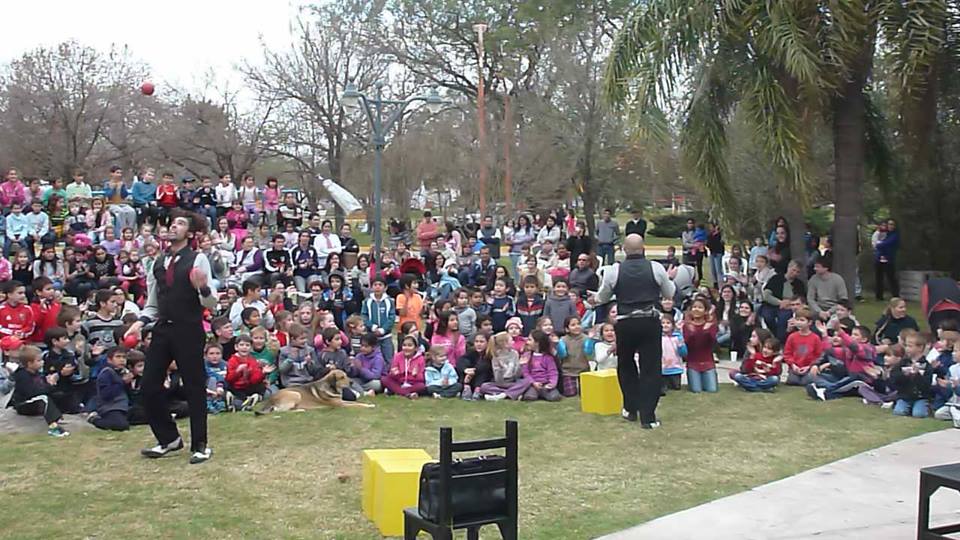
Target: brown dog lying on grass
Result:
[323, 393]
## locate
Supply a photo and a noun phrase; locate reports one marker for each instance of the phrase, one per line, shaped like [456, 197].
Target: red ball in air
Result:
[131, 341]
[147, 88]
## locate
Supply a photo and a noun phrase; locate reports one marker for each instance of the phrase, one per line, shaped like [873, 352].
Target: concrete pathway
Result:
[870, 495]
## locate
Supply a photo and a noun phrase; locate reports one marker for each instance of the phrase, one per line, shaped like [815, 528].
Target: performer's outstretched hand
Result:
[198, 278]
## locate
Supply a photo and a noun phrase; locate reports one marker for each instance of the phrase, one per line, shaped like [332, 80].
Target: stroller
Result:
[940, 299]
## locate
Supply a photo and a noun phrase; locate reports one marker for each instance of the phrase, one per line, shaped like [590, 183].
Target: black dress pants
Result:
[641, 389]
[184, 343]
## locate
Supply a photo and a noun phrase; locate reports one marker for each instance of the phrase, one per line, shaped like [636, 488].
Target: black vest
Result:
[636, 288]
[178, 303]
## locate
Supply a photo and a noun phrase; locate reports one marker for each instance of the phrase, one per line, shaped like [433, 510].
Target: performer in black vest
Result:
[638, 285]
[177, 293]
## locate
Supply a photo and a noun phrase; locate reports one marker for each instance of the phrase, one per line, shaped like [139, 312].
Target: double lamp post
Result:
[373, 107]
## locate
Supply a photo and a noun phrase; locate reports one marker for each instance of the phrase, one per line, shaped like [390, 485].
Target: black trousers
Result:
[40, 405]
[882, 271]
[640, 389]
[184, 343]
[112, 421]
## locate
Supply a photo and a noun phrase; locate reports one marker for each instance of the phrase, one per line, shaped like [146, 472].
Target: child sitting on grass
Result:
[912, 378]
[844, 367]
[406, 374]
[298, 363]
[574, 350]
[882, 391]
[59, 359]
[508, 380]
[540, 368]
[673, 351]
[334, 357]
[367, 366]
[32, 391]
[113, 407]
[244, 376]
[700, 335]
[441, 377]
[515, 329]
[760, 371]
[136, 414]
[265, 351]
[216, 370]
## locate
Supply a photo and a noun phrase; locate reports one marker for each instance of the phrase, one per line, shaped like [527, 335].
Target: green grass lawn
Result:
[277, 476]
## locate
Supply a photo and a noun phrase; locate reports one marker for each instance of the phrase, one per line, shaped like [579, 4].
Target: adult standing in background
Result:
[639, 285]
[489, 236]
[427, 231]
[637, 225]
[550, 231]
[885, 258]
[717, 249]
[522, 236]
[608, 236]
[349, 247]
[579, 243]
[326, 243]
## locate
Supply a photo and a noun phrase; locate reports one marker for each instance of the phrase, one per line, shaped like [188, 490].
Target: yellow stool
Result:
[369, 470]
[600, 392]
[397, 487]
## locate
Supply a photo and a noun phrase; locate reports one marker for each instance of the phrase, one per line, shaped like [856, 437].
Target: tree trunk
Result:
[793, 212]
[849, 149]
[588, 194]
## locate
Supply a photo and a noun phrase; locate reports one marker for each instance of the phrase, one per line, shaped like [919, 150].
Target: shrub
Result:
[673, 225]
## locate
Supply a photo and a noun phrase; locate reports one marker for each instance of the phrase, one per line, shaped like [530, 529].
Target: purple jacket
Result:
[541, 368]
[371, 366]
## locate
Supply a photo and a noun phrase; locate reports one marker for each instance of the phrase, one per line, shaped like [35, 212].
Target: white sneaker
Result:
[437, 396]
[497, 397]
[886, 405]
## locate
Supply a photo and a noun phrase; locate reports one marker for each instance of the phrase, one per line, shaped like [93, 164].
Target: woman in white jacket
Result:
[550, 231]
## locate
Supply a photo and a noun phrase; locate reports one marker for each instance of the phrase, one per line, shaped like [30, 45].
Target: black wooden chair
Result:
[932, 479]
[505, 518]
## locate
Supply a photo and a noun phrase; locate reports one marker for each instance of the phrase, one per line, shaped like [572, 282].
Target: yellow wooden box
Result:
[369, 469]
[600, 392]
[397, 487]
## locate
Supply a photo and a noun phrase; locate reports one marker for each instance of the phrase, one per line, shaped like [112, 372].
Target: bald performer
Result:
[638, 285]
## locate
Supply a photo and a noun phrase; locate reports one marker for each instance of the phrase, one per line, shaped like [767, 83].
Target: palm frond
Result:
[789, 36]
[916, 32]
[703, 143]
[778, 130]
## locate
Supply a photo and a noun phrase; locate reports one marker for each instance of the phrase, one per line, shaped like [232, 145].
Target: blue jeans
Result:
[756, 385]
[702, 381]
[515, 261]
[386, 348]
[605, 252]
[716, 267]
[918, 408]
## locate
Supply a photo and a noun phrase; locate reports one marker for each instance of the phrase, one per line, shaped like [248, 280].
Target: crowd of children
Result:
[298, 300]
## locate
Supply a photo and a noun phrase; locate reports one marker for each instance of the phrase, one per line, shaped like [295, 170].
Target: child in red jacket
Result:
[16, 316]
[802, 350]
[244, 375]
[45, 308]
[406, 375]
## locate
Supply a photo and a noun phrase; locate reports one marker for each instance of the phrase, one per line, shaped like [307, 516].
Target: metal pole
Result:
[378, 143]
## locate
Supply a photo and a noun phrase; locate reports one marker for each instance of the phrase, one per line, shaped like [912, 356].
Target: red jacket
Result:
[44, 317]
[16, 321]
[252, 376]
[408, 370]
[700, 343]
[802, 351]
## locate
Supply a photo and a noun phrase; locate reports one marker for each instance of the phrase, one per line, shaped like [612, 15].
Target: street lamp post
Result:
[480, 28]
[353, 100]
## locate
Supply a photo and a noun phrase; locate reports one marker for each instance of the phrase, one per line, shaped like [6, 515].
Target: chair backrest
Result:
[447, 450]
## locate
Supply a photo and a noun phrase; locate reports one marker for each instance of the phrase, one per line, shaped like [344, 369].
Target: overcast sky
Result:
[179, 39]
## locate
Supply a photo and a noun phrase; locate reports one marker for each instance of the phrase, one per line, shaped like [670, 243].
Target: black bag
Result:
[478, 487]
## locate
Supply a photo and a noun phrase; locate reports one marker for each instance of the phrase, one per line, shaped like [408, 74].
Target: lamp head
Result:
[434, 101]
[350, 99]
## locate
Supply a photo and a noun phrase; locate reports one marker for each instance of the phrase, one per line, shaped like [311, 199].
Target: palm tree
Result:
[786, 64]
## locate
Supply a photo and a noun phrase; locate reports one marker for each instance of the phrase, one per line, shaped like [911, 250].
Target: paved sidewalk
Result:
[872, 495]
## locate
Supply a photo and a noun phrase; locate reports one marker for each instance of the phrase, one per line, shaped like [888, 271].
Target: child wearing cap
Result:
[515, 329]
